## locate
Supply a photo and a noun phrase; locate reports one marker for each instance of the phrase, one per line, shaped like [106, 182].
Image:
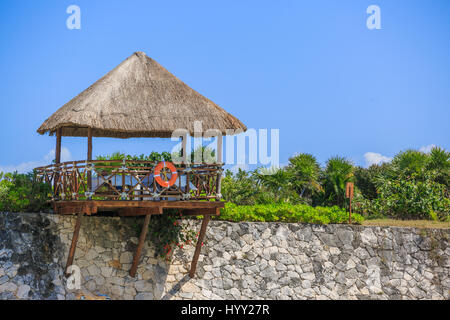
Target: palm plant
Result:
[276, 182]
[240, 188]
[410, 162]
[304, 175]
[337, 173]
[202, 154]
[274, 179]
[440, 163]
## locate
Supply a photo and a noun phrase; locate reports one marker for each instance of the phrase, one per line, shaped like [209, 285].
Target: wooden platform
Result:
[137, 208]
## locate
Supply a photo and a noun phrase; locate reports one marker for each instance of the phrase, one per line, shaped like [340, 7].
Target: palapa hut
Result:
[139, 98]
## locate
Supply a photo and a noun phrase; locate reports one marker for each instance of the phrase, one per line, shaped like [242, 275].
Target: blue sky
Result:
[311, 69]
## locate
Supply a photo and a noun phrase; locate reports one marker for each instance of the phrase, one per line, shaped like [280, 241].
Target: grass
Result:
[407, 223]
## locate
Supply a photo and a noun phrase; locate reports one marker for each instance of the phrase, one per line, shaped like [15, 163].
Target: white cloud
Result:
[375, 158]
[427, 149]
[25, 167]
[65, 155]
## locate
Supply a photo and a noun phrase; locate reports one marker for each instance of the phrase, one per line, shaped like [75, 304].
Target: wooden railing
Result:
[128, 180]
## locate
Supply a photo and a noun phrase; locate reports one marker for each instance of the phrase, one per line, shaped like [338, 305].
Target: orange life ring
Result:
[173, 170]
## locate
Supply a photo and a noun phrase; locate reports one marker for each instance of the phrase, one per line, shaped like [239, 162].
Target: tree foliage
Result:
[22, 192]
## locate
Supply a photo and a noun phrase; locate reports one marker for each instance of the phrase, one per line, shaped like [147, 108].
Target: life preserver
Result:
[173, 170]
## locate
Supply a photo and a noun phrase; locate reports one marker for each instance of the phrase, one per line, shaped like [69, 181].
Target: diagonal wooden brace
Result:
[73, 246]
[137, 255]
[198, 247]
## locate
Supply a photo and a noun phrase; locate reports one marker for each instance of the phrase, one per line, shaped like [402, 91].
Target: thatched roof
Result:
[139, 98]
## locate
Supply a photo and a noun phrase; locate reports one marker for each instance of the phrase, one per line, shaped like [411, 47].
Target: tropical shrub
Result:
[276, 186]
[241, 188]
[23, 192]
[439, 162]
[304, 175]
[413, 186]
[258, 187]
[408, 197]
[410, 162]
[365, 179]
[284, 212]
[337, 173]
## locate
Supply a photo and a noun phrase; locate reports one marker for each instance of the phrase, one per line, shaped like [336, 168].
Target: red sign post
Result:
[349, 195]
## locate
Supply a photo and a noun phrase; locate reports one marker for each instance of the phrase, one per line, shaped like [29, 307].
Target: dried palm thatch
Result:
[139, 98]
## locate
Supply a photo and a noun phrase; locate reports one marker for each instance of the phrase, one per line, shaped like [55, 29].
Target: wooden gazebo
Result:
[139, 98]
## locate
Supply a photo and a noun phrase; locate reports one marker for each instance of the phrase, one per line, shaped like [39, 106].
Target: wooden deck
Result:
[137, 208]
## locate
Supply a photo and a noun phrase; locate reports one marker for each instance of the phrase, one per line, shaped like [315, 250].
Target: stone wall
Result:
[238, 261]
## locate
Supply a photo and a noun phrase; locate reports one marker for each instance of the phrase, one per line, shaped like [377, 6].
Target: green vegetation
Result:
[166, 232]
[154, 157]
[203, 152]
[415, 185]
[21, 192]
[285, 212]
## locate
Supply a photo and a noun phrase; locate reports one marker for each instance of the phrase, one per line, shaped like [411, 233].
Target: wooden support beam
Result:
[74, 241]
[219, 158]
[58, 146]
[57, 154]
[132, 212]
[89, 146]
[111, 204]
[201, 212]
[137, 255]
[68, 208]
[220, 161]
[92, 206]
[89, 158]
[184, 151]
[198, 247]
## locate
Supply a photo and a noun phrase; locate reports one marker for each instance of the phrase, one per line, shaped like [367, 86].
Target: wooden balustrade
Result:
[128, 180]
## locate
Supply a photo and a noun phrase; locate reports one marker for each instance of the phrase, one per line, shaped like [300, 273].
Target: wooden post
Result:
[198, 247]
[58, 146]
[57, 159]
[219, 161]
[184, 153]
[350, 212]
[74, 241]
[349, 194]
[219, 148]
[137, 255]
[184, 161]
[89, 158]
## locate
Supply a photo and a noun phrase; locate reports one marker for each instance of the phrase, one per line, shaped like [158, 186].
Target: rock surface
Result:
[238, 261]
